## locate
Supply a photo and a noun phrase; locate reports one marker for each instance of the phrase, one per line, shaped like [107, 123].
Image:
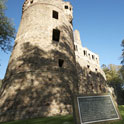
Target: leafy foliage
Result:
[7, 30]
[115, 80]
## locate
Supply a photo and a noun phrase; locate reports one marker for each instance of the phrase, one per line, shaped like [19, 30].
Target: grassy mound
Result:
[61, 119]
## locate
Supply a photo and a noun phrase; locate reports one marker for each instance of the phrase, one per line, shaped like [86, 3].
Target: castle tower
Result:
[40, 77]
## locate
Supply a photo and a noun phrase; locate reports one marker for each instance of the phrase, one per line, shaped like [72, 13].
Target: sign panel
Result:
[96, 109]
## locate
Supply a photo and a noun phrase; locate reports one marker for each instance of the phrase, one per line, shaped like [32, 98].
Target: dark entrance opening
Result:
[55, 14]
[60, 62]
[56, 35]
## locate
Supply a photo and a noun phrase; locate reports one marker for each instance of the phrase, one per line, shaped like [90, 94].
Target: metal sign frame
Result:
[78, 114]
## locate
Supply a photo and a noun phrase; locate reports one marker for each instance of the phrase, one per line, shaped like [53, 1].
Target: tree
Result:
[122, 56]
[122, 61]
[7, 30]
[0, 83]
[115, 80]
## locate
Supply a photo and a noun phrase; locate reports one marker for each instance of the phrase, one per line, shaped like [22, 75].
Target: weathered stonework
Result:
[34, 84]
[91, 78]
[44, 71]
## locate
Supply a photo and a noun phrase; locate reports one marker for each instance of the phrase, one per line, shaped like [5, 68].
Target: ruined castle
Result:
[48, 64]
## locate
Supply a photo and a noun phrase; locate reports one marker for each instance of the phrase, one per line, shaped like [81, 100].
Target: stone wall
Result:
[91, 78]
[40, 77]
[47, 67]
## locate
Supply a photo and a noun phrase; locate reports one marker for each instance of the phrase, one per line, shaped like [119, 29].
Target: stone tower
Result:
[41, 73]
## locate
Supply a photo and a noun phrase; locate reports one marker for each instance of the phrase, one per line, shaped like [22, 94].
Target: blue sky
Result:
[100, 22]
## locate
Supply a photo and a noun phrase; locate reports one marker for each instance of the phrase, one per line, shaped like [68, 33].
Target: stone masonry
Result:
[91, 77]
[48, 65]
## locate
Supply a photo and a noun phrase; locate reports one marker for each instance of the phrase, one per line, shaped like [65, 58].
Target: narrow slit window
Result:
[60, 62]
[66, 7]
[56, 35]
[84, 52]
[55, 14]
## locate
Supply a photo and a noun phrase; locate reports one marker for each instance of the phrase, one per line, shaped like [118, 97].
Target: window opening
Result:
[31, 1]
[100, 87]
[95, 69]
[93, 57]
[71, 22]
[90, 73]
[92, 86]
[88, 66]
[85, 53]
[66, 7]
[55, 14]
[56, 35]
[75, 48]
[60, 62]
[89, 55]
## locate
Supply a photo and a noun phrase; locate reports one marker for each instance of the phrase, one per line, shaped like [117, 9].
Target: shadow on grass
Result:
[68, 119]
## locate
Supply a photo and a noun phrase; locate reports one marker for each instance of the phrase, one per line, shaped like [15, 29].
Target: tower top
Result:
[62, 5]
[77, 36]
[57, 3]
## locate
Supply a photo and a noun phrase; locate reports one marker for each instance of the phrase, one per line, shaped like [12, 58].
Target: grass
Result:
[61, 119]
[48, 120]
[121, 109]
